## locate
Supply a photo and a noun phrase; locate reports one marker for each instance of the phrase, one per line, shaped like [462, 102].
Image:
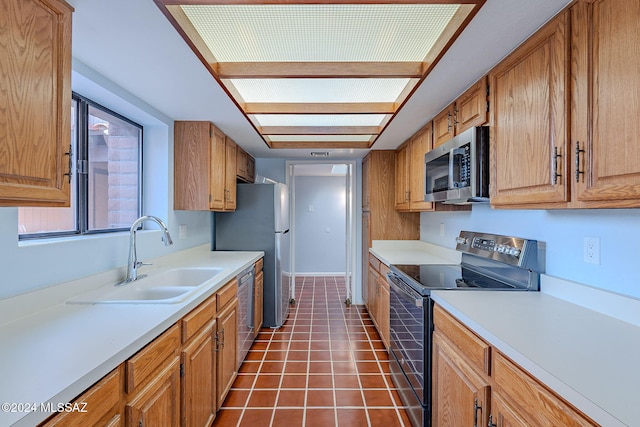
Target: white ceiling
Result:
[132, 44]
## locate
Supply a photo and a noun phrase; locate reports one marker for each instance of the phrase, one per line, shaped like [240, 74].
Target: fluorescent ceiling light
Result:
[319, 75]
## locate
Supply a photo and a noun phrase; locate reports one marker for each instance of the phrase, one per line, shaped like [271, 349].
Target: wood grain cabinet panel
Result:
[198, 392]
[605, 104]
[227, 349]
[157, 404]
[204, 168]
[528, 122]
[35, 102]
[474, 384]
[443, 128]
[99, 405]
[403, 181]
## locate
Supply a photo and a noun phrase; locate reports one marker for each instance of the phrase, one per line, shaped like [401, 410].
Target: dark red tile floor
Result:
[327, 366]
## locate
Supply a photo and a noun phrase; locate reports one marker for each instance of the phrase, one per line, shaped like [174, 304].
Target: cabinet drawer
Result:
[374, 262]
[197, 318]
[258, 265]
[227, 293]
[101, 402]
[518, 387]
[475, 349]
[384, 270]
[149, 359]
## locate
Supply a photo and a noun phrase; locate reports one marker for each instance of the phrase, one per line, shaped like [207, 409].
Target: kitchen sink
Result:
[165, 287]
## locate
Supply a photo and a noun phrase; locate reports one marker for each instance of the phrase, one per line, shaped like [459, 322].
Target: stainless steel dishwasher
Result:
[245, 313]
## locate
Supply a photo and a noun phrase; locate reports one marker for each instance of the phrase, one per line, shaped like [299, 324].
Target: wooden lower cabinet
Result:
[258, 299]
[378, 297]
[100, 405]
[227, 353]
[198, 389]
[179, 379]
[461, 395]
[157, 404]
[473, 384]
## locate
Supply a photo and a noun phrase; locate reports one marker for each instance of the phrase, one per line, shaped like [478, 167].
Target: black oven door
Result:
[407, 332]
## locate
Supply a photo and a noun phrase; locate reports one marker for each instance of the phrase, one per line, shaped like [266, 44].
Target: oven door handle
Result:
[405, 290]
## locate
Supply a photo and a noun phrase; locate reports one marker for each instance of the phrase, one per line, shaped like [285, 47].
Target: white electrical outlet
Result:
[592, 250]
[182, 231]
[441, 229]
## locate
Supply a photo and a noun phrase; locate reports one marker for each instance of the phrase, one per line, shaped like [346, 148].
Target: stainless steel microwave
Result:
[457, 172]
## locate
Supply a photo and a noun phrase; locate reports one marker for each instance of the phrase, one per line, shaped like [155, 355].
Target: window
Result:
[106, 185]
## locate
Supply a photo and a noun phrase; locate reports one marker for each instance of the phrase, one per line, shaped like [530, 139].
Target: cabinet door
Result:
[471, 107]
[227, 351]
[158, 404]
[443, 129]
[402, 191]
[528, 124]
[609, 36]
[373, 295]
[230, 175]
[258, 298]
[503, 415]
[460, 395]
[217, 176]
[191, 165]
[241, 164]
[383, 309]
[251, 168]
[35, 102]
[420, 145]
[198, 385]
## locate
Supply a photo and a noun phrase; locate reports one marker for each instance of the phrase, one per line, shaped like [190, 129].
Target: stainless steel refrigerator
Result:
[261, 222]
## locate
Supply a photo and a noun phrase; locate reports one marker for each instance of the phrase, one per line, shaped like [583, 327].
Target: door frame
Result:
[351, 273]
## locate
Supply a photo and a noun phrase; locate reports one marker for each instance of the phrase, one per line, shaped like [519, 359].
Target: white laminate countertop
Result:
[413, 252]
[53, 351]
[588, 358]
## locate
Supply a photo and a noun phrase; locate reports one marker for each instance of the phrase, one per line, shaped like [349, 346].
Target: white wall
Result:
[320, 225]
[563, 232]
[32, 265]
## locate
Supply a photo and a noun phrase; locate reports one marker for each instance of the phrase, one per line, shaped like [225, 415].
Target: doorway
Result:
[323, 221]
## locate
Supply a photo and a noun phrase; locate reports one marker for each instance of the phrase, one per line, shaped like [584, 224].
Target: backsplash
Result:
[563, 232]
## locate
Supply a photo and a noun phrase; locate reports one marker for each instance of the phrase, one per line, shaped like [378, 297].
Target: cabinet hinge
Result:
[140, 423]
[182, 370]
[487, 106]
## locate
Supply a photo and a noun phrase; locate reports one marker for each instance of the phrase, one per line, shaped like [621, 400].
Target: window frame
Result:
[81, 186]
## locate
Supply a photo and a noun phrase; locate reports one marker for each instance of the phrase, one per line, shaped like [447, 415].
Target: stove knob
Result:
[514, 252]
[500, 249]
[461, 240]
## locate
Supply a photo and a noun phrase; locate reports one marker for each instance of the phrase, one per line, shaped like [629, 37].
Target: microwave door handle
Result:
[452, 154]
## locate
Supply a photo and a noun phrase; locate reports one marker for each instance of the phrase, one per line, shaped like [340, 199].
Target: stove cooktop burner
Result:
[427, 277]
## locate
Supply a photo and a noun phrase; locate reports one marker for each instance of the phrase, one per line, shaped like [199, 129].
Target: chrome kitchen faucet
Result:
[132, 267]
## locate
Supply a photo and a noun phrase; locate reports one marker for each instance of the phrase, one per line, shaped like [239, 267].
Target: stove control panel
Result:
[509, 250]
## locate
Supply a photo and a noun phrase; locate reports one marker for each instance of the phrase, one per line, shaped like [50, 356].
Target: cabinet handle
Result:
[70, 154]
[578, 171]
[555, 165]
[455, 116]
[491, 423]
[475, 412]
[449, 121]
[221, 343]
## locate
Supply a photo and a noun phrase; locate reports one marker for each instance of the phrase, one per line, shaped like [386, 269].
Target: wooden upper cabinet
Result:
[35, 102]
[365, 184]
[245, 166]
[230, 175]
[403, 181]
[420, 144]
[528, 121]
[469, 110]
[204, 167]
[605, 42]
[443, 129]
